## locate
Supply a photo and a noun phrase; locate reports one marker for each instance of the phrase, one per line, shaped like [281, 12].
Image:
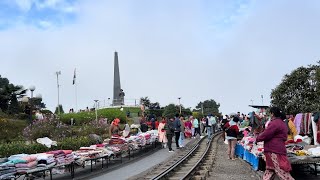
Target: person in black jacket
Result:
[169, 132]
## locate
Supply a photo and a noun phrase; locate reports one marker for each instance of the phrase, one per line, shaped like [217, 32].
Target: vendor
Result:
[114, 128]
[274, 137]
[292, 131]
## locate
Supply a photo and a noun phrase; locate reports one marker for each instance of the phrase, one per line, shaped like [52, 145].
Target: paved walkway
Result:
[225, 169]
[139, 166]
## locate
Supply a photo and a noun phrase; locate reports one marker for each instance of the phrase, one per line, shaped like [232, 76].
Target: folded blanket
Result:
[17, 156]
[67, 152]
[30, 158]
[55, 153]
[28, 165]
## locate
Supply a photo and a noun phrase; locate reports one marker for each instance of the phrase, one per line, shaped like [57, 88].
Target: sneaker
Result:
[171, 151]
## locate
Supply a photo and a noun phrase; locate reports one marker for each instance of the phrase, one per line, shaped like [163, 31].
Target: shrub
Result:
[82, 118]
[8, 149]
[51, 128]
[11, 130]
[100, 127]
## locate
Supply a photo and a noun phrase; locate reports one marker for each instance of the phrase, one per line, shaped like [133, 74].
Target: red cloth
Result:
[274, 137]
[282, 160]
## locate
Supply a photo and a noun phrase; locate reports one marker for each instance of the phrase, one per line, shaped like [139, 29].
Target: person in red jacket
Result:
[232, 130]
[274, 138]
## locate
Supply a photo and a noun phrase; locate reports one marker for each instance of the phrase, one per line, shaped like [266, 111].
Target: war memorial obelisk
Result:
[118, 94]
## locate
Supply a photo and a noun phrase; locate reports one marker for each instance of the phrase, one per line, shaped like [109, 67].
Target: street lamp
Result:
[58, 73]
[109, 101]
[96, 108]
[179, 104]
[32, 88]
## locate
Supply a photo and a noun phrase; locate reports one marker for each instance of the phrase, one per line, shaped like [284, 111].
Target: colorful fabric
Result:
[297, 121]
[279, 165]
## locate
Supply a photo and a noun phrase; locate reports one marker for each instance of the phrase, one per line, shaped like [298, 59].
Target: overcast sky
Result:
[229, 51]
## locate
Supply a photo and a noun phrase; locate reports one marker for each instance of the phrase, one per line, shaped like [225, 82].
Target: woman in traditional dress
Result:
[162, 133]
[274, 138]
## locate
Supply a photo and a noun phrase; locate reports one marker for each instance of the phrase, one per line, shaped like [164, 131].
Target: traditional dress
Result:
[162, 133]
[274, 138]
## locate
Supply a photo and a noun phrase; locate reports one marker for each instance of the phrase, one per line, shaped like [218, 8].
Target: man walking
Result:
[177, 129]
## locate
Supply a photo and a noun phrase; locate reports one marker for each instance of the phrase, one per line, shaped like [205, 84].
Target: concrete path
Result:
[135, 168]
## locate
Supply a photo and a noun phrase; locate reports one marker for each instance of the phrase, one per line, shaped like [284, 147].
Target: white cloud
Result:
[24, 5]
[45, 24]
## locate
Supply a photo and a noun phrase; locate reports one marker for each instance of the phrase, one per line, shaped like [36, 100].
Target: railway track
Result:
[195, 163]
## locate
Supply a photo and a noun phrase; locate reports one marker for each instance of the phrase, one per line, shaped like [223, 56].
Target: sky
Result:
[231, 51]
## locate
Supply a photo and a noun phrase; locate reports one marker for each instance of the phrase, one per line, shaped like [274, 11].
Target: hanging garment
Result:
[297, 121]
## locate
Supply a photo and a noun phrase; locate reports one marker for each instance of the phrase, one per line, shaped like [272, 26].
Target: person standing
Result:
[177, 129]
[188, 128]
[274, 138]
[232, 131]
[213, 123]
[182, 128]
[223, 123]
[196, 127]
[208, 127]
[169, 132]
[162, 133]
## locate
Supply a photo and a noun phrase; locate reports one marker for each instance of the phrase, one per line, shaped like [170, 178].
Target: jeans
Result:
[177, 134]
[169, 137]
[181, 139]
[209, 132]
[214, 128]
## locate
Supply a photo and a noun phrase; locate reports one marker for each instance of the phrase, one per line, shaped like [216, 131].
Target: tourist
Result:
[182, 128]
[245, 123]
[114, 128]
[274, 137]
[203, 124]
[213, 123]
[162, 133]
[188, 128]
[143, 125]
[223, 123]
[177, 129]
[153, 124]
[169, 127]
[232, 130]
[209, 127]
[195, 124]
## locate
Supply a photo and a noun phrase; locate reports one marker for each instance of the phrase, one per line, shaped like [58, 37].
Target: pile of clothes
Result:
[7, 170]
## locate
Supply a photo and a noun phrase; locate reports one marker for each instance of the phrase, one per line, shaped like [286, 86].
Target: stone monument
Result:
[118, 93]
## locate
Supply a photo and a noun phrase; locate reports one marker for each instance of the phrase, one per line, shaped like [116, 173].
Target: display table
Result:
[247, 156]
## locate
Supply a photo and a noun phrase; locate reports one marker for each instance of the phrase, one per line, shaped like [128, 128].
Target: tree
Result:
[208, 107]
[170, 111]
[145, 101]
[299, 91]
[61, 110]
[9, 95]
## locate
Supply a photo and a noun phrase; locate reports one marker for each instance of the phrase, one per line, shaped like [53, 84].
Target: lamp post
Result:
[32, 88]
[179, 104]
[109, 101]
[262, 99]
[96, 108]
[58, 73]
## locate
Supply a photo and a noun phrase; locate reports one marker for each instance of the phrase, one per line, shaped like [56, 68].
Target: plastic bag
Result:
[47, 142]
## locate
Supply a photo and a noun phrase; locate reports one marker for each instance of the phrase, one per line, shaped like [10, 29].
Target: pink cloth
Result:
[188, 124]
[67, 152]
[297, 122]
[30, 158]
[29, 165]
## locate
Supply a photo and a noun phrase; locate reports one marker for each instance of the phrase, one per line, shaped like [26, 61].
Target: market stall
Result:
[64, 161]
